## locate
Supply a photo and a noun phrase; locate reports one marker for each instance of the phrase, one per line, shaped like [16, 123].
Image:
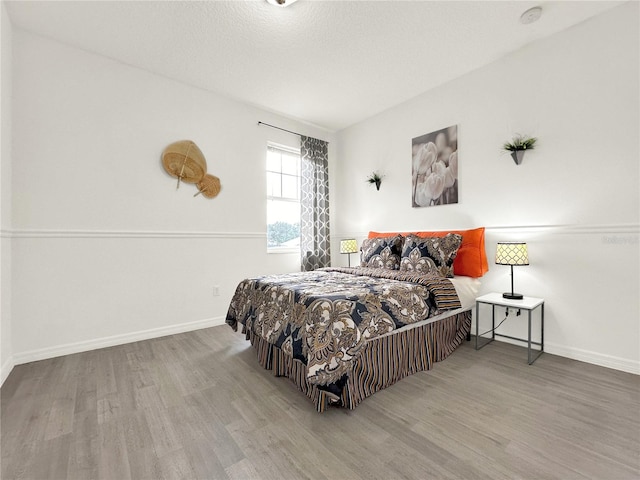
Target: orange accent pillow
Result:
[471, 260]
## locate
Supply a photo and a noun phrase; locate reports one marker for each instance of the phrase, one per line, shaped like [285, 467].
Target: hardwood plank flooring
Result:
[198, 405]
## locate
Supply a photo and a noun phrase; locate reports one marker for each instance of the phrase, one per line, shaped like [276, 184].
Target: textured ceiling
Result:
[329, 63]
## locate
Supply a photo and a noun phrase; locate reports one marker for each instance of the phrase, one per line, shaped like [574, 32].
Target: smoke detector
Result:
[281, 3]
[531, 15]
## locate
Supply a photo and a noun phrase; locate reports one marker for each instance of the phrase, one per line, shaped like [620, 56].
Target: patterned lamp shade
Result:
[348, 246]
[512, 253]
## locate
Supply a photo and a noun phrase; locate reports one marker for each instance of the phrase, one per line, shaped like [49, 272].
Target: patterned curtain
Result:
[314, 202]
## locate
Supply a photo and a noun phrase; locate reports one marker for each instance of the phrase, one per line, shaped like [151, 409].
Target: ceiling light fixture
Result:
[531, 15]
[281, 3]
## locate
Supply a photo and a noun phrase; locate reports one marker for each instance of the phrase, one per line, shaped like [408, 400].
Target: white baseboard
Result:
[70, 348]
[5, 370]
[595, 358]
[608, 361]
[587, 356]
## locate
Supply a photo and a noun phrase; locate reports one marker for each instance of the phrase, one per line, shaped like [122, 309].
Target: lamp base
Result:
[513, 296]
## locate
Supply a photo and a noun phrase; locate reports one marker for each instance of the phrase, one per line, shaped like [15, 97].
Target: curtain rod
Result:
[283, 129]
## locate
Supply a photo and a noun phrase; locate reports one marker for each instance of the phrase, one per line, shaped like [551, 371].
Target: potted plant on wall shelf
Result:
[518, 145]
[376, 178]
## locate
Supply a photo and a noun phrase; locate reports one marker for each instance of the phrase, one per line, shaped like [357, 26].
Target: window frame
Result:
[280, 198]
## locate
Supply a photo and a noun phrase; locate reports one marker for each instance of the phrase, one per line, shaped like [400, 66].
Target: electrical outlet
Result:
[216, 290]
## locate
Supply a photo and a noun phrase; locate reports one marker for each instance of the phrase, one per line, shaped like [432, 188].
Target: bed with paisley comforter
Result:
[341, 334]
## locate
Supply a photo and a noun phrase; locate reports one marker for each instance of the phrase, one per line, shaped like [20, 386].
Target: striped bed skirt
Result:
[383, 361]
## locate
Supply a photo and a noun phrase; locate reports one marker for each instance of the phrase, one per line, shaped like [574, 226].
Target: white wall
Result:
[105, 250]
[6, 352]
[574, 199]
[100, 248]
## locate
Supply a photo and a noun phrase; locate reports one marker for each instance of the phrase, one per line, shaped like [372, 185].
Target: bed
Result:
[342, 334]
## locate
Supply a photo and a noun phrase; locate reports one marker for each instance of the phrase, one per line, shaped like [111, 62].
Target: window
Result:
[283, 199]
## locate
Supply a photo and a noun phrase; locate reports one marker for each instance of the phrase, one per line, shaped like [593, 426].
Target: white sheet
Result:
[467, 289]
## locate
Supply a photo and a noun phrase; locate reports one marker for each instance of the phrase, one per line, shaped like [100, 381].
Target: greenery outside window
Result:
[283, 199]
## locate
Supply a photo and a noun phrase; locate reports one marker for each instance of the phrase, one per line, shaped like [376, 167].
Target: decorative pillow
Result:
[471, 260]
[383, 252]
[430, 255]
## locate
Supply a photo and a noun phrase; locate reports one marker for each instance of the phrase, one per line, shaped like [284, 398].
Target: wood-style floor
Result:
[198, 405]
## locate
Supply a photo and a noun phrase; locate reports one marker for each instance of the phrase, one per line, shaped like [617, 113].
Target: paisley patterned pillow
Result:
[430, 255]
[383, 252]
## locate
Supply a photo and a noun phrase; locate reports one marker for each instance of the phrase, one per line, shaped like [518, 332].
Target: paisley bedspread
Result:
[325, 317]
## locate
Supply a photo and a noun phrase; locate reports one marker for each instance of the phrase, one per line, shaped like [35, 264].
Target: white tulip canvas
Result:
[435, 168]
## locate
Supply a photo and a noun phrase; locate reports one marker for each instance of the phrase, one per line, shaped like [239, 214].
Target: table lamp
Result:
[512, 253]
[349, 246]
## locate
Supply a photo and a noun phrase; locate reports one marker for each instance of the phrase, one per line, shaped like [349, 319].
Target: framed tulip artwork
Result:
[435, 168]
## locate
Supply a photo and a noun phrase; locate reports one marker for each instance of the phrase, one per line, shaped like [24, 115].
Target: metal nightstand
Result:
[527, 303]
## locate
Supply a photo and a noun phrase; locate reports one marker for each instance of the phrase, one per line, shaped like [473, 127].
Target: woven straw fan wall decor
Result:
[185, 161]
